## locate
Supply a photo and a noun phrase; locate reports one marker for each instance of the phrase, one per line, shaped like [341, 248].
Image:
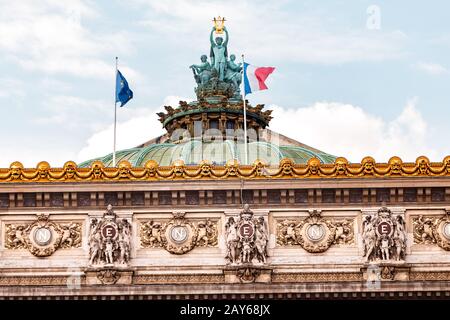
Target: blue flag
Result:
[123, 92]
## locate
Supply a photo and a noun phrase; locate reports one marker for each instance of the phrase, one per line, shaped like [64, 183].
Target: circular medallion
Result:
[246, 230]
[446, 230]
[315, 232]
[384, 228]
[109, 231]
[42, 236]
[179, 234]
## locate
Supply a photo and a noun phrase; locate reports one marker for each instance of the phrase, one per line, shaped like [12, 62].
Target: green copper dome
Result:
[194, 151]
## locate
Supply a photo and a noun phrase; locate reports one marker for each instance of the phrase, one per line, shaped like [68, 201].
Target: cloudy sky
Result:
[353, 78]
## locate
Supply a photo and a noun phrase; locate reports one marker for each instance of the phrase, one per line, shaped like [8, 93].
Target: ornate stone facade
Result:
[246, 238]
[432, 230]
[179, 235]
[315, 229]
[43, 237]
[109, 240]
[384, 236]
[315, 233]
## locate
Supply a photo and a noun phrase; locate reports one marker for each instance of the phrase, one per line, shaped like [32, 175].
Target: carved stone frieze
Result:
[248, 275]
[424, 229]
[384, 236]
[246, 238]
[388, 272]
[108, 276]
[315, 233]
[36, 280]
[178, 278]
[179, 235]
[109, 240]
[43, 237]
[317, 277]
[432, 230]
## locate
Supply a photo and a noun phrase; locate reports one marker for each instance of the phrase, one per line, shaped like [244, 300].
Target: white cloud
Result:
[130, 133]
[434, 69]
[72, 111]
[52, 36]
[270, 31]
[348, 131]
[30, 157]
[10, 87]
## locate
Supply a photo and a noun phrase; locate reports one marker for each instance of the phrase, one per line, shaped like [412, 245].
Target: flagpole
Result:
[245, 115]
[115, 116]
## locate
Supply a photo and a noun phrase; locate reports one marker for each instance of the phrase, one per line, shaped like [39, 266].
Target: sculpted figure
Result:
[340, 233]
[246, 252]
[19, 236]
[202, 236]
[233, 73]
[385, 248]
[124, 247]
[69, 234]
[155, 234]
[261, 241]
[109, 250]
[219, 53]
[202, 72]
[66, 236]
[427, 233]
[290, 232]
[95, 247]
[232, 241]
[399, 238]
[384, 245]
[369, 240]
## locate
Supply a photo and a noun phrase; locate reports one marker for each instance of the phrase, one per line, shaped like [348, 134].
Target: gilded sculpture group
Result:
[341, 168]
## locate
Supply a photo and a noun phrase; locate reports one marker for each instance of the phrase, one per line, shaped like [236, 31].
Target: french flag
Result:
[254, 77]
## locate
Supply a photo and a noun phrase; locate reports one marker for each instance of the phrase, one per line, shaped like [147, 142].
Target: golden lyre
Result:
[219, 23]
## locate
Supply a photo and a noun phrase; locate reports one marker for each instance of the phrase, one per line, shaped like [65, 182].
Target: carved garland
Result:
[341, 168]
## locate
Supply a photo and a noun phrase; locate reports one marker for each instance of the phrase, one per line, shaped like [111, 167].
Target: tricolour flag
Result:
[123, 91]
[254, 77]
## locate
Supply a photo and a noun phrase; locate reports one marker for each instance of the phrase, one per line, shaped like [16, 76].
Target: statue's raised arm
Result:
[211, 38]
[213, 44]
[225, 43]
